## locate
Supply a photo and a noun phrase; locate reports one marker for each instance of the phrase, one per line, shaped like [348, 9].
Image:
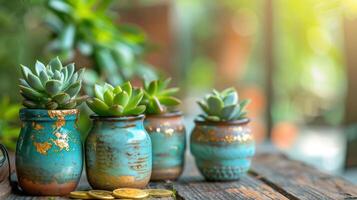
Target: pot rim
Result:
[30, 114]
[243, 121]
[165, 115]
[46, 110]
[117, 118]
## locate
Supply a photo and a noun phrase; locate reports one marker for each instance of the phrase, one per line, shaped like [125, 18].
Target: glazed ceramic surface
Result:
[222, 150]
[49, 152]
[168, 137]
[118, 153]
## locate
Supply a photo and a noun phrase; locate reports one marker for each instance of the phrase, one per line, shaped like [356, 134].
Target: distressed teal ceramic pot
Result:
[222, 150]
[168, 137]
[49, 152]
[118, 153]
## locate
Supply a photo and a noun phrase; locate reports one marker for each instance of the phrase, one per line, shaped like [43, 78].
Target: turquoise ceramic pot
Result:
[49, 152]
[168, 137]
[222, 150]
[118, 153]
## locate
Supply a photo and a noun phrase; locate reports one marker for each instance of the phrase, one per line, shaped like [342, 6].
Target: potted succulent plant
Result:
[221, 141]
[118, 149]
[49, 149]
[166, 129]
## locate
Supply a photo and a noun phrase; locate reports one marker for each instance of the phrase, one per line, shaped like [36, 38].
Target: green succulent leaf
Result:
[170, 91]
[74, 89]
[117, 110]
[81, 99]
[39, 67]
[98, 106]
[30, 104]
[135, 100]
[25, 71]
[215, 104]
[61, 98]
[49, 71]
[108, 97]
[73, 79]
[34, 82]
[228, 111]
[57, 75]
[162, 84]
[169, 101]
[222, 106]
[53, 87]
[98, 91]
[70, 104]
[43, 77]
[157, 106]
[227, 91]
[152, 88]
[117, 90]
[70, 68]
[203, 106]
[127, 88]
[80, 73]
[213, 118]
[231, 98]
[51, 105]
[64, 71]
[122, 98]
[158, 98]
[23, 82]
[30, 93]
[116, 100]
[243, 104]
[137, 110]
[56, 64]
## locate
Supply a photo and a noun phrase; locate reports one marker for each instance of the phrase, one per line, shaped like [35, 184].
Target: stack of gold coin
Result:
[79, 195]
[100, 194]
[121, 193]
[159, 192]
[130, 193]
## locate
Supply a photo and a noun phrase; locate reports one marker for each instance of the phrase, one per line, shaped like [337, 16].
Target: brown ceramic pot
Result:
[168, 137]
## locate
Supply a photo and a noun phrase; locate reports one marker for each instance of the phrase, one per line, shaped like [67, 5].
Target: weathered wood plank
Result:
[247, 187]
[192, 186]
[83, 185]
[271, 177]
[299, 181]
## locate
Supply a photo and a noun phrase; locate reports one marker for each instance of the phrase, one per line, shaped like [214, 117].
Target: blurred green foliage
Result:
[22, 39]
[9, 124]
[87, 27]
[309, 80]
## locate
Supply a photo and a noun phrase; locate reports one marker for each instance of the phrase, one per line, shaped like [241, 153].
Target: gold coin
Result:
[130, 193]
[101, 194]
[79, 195]
[159, 192]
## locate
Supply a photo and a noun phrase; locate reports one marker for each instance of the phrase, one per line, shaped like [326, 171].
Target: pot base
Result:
[106, 182]
[166, 174]
[46, 189]
[216, 172]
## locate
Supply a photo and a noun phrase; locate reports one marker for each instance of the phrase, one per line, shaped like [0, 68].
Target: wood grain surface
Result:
[272, 176]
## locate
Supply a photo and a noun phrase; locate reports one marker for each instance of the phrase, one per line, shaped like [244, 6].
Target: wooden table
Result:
[272, 176]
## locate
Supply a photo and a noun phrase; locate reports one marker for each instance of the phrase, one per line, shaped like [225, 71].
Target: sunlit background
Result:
[295, 60]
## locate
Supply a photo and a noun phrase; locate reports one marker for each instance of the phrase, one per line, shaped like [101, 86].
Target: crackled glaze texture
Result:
[168, 137]
[118, 153]
[222, 150]
[49, 152]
